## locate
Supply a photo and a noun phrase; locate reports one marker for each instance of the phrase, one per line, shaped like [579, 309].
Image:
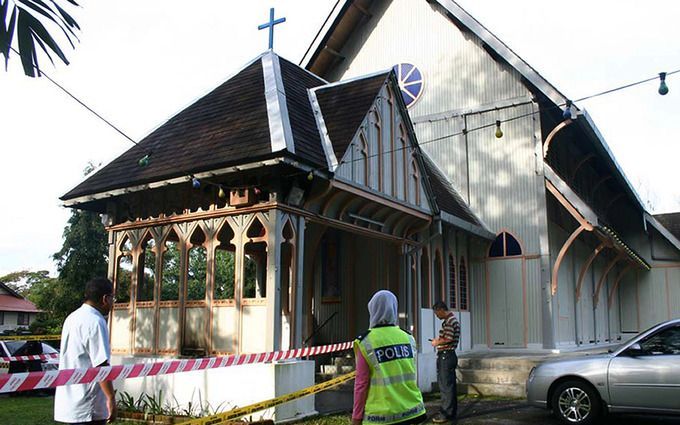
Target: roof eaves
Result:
[277, 108]
[484, 228]
[71, 202]
[324, 31]
[603, 144]
[662, 229]
[480, 231]
[11, 291]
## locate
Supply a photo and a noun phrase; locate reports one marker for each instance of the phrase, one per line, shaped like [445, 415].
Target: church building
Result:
[410, 150]
[577, 260]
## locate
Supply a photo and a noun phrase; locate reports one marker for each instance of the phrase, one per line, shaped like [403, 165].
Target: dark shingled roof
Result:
[296, 81]
[224, 127]
[445, 195]
[344, 106]
[670, 221]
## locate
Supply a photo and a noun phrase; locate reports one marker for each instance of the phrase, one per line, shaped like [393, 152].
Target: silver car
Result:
[639, 376]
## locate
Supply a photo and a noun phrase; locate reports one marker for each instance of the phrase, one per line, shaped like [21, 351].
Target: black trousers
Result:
[446, 378]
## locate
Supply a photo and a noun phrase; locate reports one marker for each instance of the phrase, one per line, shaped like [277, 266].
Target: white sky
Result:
[140, 62]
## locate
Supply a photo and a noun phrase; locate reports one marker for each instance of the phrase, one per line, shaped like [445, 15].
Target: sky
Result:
[138, 63]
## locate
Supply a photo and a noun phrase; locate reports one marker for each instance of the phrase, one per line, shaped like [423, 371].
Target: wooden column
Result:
[273, 280]
[298, 306]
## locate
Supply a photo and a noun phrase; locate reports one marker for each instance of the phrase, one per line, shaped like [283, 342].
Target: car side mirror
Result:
[634, 350]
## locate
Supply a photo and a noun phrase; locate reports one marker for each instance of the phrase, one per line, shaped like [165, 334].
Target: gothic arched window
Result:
[505, 245]
[463, 284]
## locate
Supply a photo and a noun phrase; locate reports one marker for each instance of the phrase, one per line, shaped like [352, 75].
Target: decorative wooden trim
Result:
[525, 302]
[567, 205]
[120, 351]
[195, 303]
[616, 284]
[168, 352]
[224, 303]
[549, 139]
[121, 306]
[254, 302]
[560, 257]
[143, 350]
[579, 165]
[380, 200]
[610, 266]
[586, 266]
[193, 216]
[168, 304]
[145, 304]
[222, 353]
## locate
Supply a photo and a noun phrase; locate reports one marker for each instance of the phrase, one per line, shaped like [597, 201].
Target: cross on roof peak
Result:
[270, 25]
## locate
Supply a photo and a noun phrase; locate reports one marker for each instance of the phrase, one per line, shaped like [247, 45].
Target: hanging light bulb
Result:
[663, 88]
[195, 183]
[310, 176]
[499, 132]
[567, 111]
[221, 193]
[143, 161]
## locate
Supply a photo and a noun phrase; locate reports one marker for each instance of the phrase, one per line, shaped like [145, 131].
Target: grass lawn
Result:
[29, 411]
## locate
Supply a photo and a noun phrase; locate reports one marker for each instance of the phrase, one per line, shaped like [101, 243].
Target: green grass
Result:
[29, 411]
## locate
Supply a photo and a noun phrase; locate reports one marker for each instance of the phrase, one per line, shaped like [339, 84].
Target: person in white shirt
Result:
[84, 344]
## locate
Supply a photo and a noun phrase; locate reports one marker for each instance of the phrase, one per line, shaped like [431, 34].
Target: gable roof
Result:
[261, 112]
[12, 301]
[343, 18]
[344, 106]
[455, 210]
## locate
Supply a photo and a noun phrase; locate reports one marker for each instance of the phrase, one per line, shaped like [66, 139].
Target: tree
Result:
[22, 281]
[23, 20]
[82, 257]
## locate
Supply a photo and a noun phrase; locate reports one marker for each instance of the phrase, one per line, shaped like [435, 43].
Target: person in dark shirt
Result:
[446, 344]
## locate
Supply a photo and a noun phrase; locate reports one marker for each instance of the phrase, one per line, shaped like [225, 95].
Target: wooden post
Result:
[298, 307]
[273, 280]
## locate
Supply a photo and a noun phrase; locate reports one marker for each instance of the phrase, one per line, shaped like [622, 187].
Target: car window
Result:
[666, 341]
[14, 346]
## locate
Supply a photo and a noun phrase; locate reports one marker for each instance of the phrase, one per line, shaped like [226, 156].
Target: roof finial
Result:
[270, 25]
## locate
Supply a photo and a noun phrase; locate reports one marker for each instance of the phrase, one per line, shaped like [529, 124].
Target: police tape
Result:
[49, 379]
[30, 357]
[30, 338]
[221, 418]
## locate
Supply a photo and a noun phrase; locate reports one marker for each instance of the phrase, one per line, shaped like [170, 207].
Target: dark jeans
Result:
[446, 377]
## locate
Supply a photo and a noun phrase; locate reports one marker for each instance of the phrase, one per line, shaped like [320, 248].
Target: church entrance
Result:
[506, 288]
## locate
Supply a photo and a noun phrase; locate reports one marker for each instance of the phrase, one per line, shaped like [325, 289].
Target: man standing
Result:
[447, 361]
[85, 344]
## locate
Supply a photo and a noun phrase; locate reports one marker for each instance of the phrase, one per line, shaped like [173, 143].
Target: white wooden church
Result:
[266, 214]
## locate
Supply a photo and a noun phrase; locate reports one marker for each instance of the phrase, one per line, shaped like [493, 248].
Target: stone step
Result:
[498, 390]
[486, 376]
[497, 363]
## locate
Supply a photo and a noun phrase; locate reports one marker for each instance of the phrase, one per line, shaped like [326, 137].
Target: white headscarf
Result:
[382, 309]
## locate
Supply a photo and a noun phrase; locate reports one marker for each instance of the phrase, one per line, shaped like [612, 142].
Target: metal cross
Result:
[270, 25]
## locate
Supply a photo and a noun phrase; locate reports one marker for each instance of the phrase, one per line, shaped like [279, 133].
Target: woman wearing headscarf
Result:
[385, 388]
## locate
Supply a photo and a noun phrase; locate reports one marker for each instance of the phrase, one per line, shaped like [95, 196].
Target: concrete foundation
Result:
[219, 390]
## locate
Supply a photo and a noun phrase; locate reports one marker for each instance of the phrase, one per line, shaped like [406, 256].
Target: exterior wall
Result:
[10, 320]
[500, 178]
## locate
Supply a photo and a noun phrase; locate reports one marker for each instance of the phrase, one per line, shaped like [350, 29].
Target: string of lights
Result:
[196, 183]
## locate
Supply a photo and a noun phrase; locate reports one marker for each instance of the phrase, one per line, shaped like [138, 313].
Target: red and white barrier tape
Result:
[38, 380]
[32, 357]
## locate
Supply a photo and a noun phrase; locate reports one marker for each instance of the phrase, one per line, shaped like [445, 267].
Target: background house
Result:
[15, 311]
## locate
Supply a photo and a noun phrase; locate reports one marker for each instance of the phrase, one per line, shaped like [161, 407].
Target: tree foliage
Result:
[24, 20]
[82, 257]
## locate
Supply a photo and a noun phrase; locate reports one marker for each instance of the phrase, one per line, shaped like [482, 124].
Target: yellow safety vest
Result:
[393, 395]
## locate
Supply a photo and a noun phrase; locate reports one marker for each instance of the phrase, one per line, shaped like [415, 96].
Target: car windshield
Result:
[14, 346]
[618, 347]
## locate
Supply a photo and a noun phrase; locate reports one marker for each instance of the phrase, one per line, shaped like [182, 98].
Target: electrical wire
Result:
[464, 131]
